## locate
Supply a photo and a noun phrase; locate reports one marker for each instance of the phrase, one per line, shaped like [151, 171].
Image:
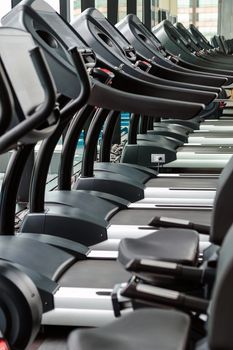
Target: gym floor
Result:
[51, 338]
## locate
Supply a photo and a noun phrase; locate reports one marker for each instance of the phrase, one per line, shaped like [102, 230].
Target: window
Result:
[184, 3]
[154, 12]
[75, 8]
[139, 9]
[202, 13]
[207, 3]
[122, 9]
[5, 7]
[101, 5]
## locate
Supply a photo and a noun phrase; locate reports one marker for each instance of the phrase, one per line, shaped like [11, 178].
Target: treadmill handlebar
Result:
[163, 221]
[82, 74]
[156, 295]
[165, 268]
[103, 96]
[132, 84]
[85, 84]
[209, 83]
[6, 100]
[45, 109]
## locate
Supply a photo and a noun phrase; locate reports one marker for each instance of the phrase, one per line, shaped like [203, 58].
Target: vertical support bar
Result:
[23, 186]
[92, 142]
[107, 137]
[65, 9]
[23, 190]
[131, 7]
[146, 13]
[117, 132]
[112, 11]
[112, 15]
[10, 186]
[85, 4]
[69, 147]
[133, 128]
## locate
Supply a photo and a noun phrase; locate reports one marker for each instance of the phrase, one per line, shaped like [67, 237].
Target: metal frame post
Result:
[131, 7]
[65, 9]
[112, 11]
[146, 13]
[85, 4]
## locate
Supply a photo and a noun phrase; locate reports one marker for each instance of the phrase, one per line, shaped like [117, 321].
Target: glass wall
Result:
[185, 10]
[75, 8]
[154, 12]
[122, 9]
[101, 5]
[202, 13]
[139, 9]
[207, 17]
[5, 6]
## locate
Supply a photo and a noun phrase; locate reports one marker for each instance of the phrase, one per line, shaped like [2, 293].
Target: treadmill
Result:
[12, 182]
[149, 48]
[77, 216]
[75, 289]
[220, 53]
[82, 25]
[145, 43]
[162, 327]
[194, 43]
[60, 80]
[150, 194]
[45, 220]
[182, 155]
[60, 26]
[176, 193]
[53, 270]
[171, 39]
[119, 39]
[94, 16]
[201, 39]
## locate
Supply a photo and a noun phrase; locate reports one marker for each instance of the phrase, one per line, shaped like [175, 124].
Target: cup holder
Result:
[105, 38]
[142, 37]
[48, 39]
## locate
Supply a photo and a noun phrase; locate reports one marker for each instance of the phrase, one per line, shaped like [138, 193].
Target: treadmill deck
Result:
[182, 182]
[143, 216]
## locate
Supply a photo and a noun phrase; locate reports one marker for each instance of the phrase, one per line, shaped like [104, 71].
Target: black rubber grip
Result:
[177, 223]
[195, 304]
[109, 98]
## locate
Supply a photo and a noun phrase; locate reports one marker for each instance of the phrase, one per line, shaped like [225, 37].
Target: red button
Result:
[105, 70]
[4, 345]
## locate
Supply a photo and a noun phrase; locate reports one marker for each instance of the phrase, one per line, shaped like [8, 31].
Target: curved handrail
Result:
[6, 100]
[38, 184]
[15, 134]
